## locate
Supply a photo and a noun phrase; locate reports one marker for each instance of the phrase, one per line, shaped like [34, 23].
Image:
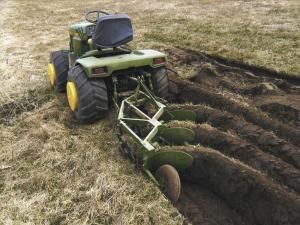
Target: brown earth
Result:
[204, 207]
[249, 123]
[283, 107]
[186, 91]
[265, 140]
[254, 196]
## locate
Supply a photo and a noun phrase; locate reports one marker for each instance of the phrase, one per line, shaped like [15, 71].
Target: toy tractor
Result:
[99, 71]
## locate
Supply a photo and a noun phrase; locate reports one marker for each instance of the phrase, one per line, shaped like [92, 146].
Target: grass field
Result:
[55, 171]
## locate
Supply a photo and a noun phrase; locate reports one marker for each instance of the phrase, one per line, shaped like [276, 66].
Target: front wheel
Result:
[87, 97]
[169, 181]
[58, 70]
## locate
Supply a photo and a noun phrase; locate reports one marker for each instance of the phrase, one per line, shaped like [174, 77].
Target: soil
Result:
[286, 108]
[202, 206]
[253, 195]
[249, 154]
[265, 140]
[246, 150]
[188, 92]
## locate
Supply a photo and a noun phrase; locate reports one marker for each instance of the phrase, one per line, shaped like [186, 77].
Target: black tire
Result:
[167, 176]
[92, 94]
[160, 82]
[60, 60]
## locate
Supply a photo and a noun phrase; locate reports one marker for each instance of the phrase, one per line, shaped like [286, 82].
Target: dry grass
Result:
[55, 171]
[264, 33]
[52, 170]
[59, 172]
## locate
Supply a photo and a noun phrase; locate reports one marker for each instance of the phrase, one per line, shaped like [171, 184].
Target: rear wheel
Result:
[168, 178]
[58, 70]
[160, 82]
[87, 97]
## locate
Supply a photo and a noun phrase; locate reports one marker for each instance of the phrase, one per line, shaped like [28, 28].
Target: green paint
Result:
[135, 59]
[179, 160]
[149, 149]
[177, 135]
[181, 115]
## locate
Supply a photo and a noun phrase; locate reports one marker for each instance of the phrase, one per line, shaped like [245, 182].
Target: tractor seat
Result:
[112, 31]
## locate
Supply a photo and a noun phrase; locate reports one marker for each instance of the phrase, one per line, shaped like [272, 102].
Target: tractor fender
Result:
[109, 64]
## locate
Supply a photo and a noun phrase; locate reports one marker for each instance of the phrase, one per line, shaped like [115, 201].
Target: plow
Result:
[189, 136]
[142, 122]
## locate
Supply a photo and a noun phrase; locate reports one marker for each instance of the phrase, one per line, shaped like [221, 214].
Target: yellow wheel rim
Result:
[52, 74]
[72, 95]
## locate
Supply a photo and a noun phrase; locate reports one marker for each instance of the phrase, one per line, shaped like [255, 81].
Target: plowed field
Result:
[247, 148]
[54, 170]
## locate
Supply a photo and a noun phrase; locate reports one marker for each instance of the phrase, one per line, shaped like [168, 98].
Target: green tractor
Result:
[99, 71]
[96, 71]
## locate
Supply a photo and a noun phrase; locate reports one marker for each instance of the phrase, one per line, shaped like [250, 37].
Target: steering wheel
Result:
[98, 12]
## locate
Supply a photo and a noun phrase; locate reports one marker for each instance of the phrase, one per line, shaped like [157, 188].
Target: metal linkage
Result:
[141, 119]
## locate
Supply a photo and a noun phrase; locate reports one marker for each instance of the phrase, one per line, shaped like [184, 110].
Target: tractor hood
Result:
[82, 30]
[110, 64]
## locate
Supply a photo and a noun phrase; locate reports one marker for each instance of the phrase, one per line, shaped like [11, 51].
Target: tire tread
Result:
[93, 99]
